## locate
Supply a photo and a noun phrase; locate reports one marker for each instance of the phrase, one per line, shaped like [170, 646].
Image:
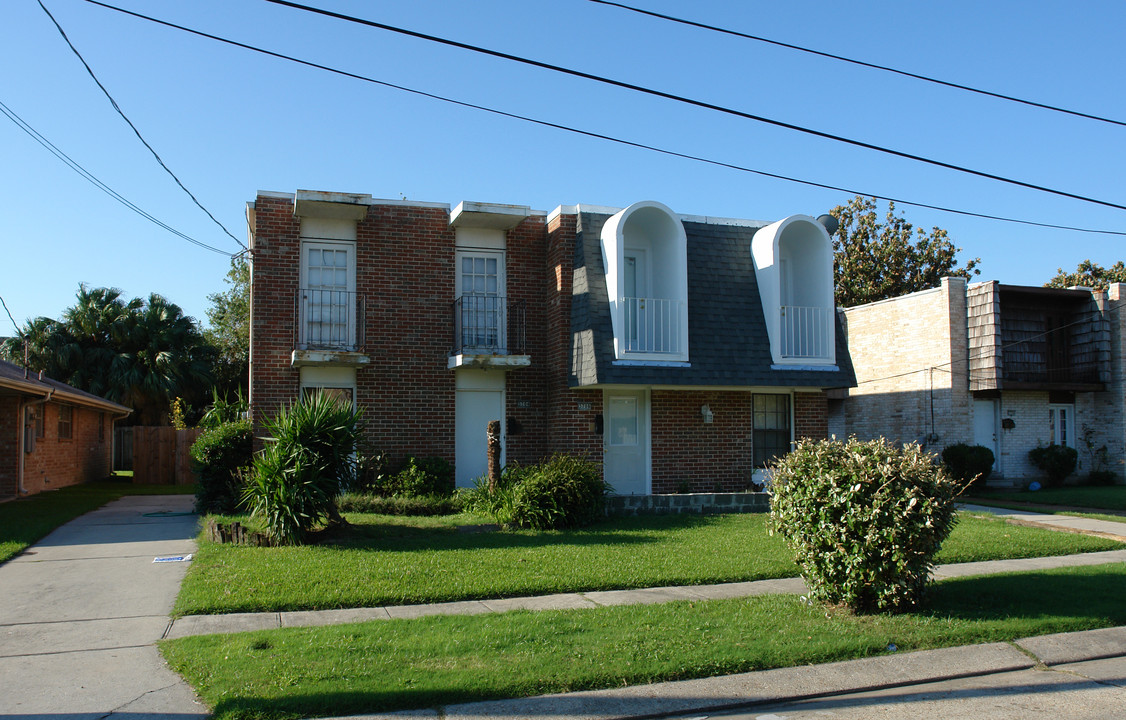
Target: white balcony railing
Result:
[651, 325]
[807, 332]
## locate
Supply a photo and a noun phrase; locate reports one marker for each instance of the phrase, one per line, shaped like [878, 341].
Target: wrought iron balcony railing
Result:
[329, 320]
[488, 325]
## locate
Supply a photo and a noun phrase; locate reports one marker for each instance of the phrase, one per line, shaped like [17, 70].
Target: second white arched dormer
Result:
[794, 267]
[645, 250]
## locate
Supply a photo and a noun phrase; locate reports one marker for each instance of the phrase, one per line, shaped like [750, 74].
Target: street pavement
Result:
[81, 611]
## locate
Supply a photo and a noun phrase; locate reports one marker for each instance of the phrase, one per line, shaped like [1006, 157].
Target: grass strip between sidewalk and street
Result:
[400, 664]
[1083, 501]
[29, 519]
[392, 560]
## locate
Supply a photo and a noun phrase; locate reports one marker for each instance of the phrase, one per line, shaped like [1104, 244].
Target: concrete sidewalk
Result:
[1067, 523]
[243, 622]
[81, 611]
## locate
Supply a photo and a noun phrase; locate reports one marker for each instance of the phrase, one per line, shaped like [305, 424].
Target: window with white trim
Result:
[772, 431]
[1061, 424]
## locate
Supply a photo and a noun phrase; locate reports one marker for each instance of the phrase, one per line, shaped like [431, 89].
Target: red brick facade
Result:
[405, 260]
[54, 461]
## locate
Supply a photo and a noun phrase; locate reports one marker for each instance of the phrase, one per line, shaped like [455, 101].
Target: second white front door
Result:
[626, 441]
[985, 428]
[479, 400]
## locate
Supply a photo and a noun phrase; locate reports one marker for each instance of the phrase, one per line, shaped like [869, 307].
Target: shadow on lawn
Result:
[615, 531]
[1092, 592]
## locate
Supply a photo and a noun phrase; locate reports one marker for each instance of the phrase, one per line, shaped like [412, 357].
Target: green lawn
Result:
[1102, 498]
[399, 664]
[1061, 501]
[26, 520]
[388, 560]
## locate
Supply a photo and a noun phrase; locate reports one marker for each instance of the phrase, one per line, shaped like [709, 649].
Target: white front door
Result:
[479, 399]
[626, 441]
[328, 295]
[985, 428]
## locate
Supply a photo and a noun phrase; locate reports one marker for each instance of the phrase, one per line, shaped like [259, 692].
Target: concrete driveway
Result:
[81, 611]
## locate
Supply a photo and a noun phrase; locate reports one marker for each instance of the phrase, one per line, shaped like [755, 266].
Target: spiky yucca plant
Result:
[309, 458]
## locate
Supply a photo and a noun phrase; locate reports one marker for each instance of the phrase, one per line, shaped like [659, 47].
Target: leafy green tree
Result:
[139, 353]
[1089, 274]
[875, 261]
[229, 330]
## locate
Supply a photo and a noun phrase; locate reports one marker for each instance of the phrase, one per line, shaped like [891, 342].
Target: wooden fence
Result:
[161, 455]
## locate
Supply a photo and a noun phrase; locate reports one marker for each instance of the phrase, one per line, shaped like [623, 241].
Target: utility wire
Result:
[689, 101]
[14, 324]
[134, 127]
[74, 165]
[598, 136]
[861, 63]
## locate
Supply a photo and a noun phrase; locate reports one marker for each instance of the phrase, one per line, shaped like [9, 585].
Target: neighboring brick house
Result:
[51, 435]
[1005, 366]
[678, 352]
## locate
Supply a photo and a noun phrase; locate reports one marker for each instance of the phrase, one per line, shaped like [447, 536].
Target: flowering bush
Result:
[864, 519]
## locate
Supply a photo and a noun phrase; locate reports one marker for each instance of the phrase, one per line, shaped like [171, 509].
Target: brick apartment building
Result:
[51, 434]
[679, 352]
[1005, 366]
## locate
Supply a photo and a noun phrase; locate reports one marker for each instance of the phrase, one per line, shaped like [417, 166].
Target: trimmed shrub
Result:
[972, 464]
[420, 478]
[1057, 461]
[307, 461]
[562, 492]
[864, 519]
[220, 457]
[429, 505]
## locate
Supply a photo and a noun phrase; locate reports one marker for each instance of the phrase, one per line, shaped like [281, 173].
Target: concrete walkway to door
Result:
[81, 611]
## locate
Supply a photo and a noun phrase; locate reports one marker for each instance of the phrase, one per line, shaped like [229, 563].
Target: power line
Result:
[595, 135]
[90, 177]
[134, 127]
[14, 324]
[861, 63]
[689, 101]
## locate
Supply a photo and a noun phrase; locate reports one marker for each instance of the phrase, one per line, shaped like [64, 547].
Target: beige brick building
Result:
[1008, 367]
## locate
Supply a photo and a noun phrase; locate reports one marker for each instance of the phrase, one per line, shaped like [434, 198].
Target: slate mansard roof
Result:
[727, 336]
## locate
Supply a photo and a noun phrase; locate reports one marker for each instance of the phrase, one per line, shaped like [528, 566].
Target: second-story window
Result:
[328, 297]
[482, 302]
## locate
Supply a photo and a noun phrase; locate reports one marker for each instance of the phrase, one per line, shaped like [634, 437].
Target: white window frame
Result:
[350, 308]
[1068, 425]
[501, 294]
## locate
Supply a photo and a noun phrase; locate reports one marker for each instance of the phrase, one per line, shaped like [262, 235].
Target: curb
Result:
[768, 687]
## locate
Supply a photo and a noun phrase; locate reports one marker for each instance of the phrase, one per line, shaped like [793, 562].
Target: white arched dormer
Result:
[646, 254]
[794, 267]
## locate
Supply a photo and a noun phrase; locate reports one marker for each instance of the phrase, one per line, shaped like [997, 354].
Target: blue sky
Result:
[230, 122]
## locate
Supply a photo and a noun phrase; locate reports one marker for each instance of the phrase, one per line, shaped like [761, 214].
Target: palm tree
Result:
[140, 354]
[161, 355]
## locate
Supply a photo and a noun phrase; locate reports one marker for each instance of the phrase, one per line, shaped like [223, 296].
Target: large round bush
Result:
[972, 464]
[864, 519]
